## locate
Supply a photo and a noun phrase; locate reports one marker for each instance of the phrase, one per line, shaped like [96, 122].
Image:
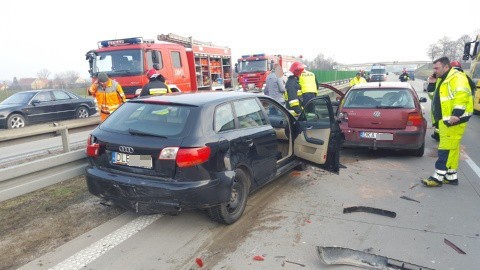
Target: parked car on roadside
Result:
[385, 116]
[165, 154]
[39, 106]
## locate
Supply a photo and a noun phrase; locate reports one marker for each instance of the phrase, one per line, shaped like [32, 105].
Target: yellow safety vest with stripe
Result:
[110, 98]
[308, 83]
[356, 81]
[159, 91]
[455, 94]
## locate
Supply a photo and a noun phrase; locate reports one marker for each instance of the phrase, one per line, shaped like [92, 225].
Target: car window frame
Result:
[55, 98]
[261, 112]
[235, 120]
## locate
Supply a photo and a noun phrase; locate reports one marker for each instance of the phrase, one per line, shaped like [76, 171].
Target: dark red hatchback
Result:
[383, 115]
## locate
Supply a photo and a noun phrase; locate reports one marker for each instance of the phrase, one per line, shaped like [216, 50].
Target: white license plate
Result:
[142, 161]
[251, 86]
[377, 136]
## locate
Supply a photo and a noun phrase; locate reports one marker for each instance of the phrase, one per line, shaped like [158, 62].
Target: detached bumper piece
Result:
[346, 256]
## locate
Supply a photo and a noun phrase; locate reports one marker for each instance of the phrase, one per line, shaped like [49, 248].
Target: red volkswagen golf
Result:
[383, 115]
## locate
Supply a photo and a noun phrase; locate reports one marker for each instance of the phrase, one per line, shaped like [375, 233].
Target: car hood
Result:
[4, 107]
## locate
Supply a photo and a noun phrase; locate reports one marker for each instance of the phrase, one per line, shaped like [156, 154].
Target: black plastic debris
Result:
[409, 199]
[371, 210]
[452, 245]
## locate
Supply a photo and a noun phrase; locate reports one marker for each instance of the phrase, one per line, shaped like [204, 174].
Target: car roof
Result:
[40, 90]
[382, 85]
[197, 98]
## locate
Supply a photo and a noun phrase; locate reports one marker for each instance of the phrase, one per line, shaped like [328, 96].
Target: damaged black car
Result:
[165, 154]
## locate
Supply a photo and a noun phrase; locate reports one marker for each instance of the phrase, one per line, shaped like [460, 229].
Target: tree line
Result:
[451, 48]
[63, 80]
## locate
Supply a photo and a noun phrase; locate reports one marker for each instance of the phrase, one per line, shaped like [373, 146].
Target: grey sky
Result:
[55, 35]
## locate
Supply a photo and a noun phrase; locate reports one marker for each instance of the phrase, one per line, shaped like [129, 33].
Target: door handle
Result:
[249, 142]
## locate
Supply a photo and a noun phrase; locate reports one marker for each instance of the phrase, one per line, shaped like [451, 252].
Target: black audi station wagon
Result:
[165, 154]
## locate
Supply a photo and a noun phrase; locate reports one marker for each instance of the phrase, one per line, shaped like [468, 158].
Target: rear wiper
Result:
[389, 107]
[143, 133]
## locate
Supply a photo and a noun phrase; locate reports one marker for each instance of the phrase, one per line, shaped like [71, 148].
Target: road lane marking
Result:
[472, 164]
[82, 258]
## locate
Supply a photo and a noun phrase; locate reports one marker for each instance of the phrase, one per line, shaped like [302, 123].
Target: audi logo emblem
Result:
[376, 114]
[125, 149]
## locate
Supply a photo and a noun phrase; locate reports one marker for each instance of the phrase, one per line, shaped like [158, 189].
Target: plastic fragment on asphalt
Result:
[286, 261]
[452, 245]
[259, 258]
[413, 186]
[370, 210]
[296, 173]
[199, 262]
[409, 199]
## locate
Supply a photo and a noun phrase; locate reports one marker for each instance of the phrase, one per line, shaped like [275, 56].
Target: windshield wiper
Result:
[389, 107]
[143, 133]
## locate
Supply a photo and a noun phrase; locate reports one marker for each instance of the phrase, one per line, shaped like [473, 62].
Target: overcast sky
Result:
[55, 35]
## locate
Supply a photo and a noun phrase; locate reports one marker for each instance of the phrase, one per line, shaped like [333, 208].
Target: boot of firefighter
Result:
[451, 177]
[436, 180]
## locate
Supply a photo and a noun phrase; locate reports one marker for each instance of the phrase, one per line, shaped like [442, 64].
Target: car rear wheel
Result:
[231, 211]
[15, 121]
[82, 112]
[418, 152]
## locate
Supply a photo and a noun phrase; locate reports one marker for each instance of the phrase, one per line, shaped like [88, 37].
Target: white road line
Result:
[82, 258]
[472, 164]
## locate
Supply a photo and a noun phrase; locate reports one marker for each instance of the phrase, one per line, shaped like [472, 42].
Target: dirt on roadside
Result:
[38, 222]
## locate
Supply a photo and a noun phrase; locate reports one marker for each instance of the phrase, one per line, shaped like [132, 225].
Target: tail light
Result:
[186, 157]
[93, 148]
[414, 119]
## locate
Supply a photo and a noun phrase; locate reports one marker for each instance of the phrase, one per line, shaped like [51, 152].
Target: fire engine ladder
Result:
[185, 41]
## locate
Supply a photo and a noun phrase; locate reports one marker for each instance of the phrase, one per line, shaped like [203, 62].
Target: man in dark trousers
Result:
[294, 92]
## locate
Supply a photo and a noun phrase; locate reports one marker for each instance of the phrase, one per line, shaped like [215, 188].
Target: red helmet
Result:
[297, 68]
[455, 64]
[152, 73]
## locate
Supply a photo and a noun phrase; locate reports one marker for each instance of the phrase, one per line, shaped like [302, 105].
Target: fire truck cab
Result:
[253, 69]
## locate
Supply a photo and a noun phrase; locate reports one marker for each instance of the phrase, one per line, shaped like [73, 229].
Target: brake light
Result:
[93, 148]
[186, 157]
[414, 119]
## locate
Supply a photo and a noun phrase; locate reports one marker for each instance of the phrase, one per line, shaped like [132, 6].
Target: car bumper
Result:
[147, 196]
[402, 139]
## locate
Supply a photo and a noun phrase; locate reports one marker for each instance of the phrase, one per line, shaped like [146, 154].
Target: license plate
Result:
[251, 85]
[142, 161]
[377, 136]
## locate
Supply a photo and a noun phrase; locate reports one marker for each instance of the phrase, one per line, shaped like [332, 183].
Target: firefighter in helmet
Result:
[156, 85]
[294, 93]
[108, 93]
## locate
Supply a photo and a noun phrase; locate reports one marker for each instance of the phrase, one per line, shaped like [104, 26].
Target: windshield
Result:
[378, 71]
[379, 98]
[18, 98]
[119, 63]
[146, 119]
[252, 66]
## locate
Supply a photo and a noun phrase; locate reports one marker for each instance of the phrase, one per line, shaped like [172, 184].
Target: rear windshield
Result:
[162, 120]
[379, 98]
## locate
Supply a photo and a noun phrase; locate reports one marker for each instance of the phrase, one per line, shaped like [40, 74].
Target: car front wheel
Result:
[231, 211]
[15, 121]
[82, 112]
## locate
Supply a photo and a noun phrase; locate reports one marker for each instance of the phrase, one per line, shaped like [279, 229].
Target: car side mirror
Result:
[35, 102]
[423, 100]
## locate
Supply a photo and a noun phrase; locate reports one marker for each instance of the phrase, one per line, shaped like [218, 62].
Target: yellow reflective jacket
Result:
[110, 98]
[308, 83]
[356, 81]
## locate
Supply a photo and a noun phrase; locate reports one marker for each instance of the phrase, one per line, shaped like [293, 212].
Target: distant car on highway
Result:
[207, 150]
[385, 116]
[39, 106]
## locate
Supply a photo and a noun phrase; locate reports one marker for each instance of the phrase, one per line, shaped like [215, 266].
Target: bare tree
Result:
[71, 76]
[43, 74]
[433, 51]
[319, 62]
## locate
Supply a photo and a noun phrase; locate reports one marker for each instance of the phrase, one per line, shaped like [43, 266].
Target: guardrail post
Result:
[65, 140]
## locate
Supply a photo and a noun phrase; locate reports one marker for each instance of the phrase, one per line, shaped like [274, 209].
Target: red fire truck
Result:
[187, 64]
[253, 69]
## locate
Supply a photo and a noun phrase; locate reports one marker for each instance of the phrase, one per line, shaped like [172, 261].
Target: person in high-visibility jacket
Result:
[108, 93]
[309, 86]
[293, 92]
[452, 108]
[357, 79]
[156, 84]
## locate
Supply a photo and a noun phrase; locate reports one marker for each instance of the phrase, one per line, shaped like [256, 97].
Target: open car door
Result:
[318, 135]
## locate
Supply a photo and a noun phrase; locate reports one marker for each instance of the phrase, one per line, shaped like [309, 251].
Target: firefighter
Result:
[156, 84]
[432, 79]
[308, 85]
[357, 79]
[108, 93]
[452, 108]
[294, 93]
[404, 76]
[456, 65]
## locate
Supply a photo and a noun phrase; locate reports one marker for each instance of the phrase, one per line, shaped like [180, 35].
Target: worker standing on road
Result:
[309, 86]
[294, 93]
[456, 65]
[452, 108]
[274, 86]
[432, 79]
[404, 76]
[357, 79]
[108, 93]
[156, 84]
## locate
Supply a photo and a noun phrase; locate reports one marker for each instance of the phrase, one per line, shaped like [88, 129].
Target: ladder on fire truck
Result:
[185, 41]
